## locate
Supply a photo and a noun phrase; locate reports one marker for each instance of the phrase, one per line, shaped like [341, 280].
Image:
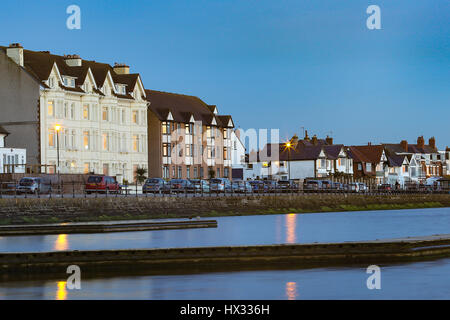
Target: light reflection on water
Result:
[254, 230]
[419, 280]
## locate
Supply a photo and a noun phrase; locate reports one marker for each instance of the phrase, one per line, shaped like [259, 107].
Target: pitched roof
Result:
[301, 152]
[369, 153]
[40, 64]
[182, 107]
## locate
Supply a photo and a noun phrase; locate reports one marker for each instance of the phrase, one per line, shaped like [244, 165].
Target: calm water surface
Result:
[422, 280]
[254, 230]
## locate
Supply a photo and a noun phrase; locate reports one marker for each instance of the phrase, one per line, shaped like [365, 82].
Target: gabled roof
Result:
[302, 152]
[368, 153]
[40, 64]
[183, 108]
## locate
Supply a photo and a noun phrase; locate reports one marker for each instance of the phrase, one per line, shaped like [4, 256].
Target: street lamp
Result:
[288, 147]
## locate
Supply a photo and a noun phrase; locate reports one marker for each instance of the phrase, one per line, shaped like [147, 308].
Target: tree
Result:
[140, 174]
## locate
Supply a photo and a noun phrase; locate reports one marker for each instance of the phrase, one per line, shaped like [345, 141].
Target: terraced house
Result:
[90, 115]
[187, 138]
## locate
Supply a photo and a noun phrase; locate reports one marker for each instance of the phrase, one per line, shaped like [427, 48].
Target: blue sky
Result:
[270, 64]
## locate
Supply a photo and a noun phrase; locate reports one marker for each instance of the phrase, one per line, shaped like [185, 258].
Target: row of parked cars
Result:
[328, 185]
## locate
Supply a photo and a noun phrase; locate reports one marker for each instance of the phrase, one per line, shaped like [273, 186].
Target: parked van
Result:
[102, 184]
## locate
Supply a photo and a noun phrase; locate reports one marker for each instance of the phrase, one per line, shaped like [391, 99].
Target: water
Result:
[254, 230]
[419, 280]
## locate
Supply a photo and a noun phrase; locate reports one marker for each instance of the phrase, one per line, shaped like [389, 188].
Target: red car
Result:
[102, 184]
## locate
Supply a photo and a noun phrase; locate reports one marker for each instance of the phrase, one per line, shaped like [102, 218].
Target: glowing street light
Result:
[288, 146]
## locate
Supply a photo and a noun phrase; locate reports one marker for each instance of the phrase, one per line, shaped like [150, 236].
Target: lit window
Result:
[86, 168]
[51, 138]
[86, 140]
[135, 143]
[51, 111]
[105, 113]
[86, 112]
[135, 118]
[105, 141]
[165, 128]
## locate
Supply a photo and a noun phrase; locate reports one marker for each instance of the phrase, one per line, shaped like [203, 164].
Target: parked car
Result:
[103, 184]
[34, 185]
[362, 187]
[337, 186]
[220, 185]
[240, 186]
[155, 185]
[287, 186]
[179, 185]
[385, 187]
[198, 186]
[312, 185]
[352, 187]
[270, 186]
[257, 186]
[327, 185]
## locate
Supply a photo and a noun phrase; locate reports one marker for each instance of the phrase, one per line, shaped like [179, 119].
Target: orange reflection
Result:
[61, 292]
[291, 290]
[61, 242]
[291, 223]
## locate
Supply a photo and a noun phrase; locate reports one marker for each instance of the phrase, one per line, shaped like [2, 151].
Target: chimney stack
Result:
[314, 140]
[294, 140]
[329, 140]
[121, 68]
[73, 60]
[306, 135]
[404, 145]
[420, 142]
[15, 52]
[432, 142]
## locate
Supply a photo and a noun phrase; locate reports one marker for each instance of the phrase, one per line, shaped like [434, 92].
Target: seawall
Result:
[160, 261]
[21, 211]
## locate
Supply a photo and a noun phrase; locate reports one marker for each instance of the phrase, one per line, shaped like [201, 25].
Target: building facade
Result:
[12, 160]
[187, 139]
[90, 115]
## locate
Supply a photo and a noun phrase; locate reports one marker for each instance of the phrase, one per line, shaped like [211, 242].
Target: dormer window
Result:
[120, 88]
[69, 82]
[51, 82]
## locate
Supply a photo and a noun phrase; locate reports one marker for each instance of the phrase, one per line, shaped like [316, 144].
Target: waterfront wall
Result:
[90, 209]
[226, 258]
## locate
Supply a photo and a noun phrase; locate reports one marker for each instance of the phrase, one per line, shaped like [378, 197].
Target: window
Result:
[225, 153]
[188, 128]
[105, 113]
[188, 150]
[368, 167]
[179, 172]
[166, 149]
[218, 172]
[201, 172]
[51, 138]
[165, 128]
[359, 166]
[105, 141]
[188, 172]
[123, 116]
[210, 151]
[135, 143]
[225, 133]
[195, 172]
[106, 169]
[86, 112]
[86, 168]
[225, 172]
[51, 109]
[135, 117]
[86, 140]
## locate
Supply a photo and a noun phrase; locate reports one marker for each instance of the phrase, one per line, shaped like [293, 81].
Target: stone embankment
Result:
[20, 211]
[161, 261]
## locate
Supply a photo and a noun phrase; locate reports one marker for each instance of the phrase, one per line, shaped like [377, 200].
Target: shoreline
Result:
[63, 210]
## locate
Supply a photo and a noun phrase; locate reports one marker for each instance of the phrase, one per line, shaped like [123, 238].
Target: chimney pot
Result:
[329, 140]
[432, 142]
[420, 142]
[73, 60]
[404, 145]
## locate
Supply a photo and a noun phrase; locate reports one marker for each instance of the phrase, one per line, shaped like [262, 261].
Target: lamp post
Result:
[288, 147]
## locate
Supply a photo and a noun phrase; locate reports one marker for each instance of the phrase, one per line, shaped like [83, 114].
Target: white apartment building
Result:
[91, 115]
[11, 159]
